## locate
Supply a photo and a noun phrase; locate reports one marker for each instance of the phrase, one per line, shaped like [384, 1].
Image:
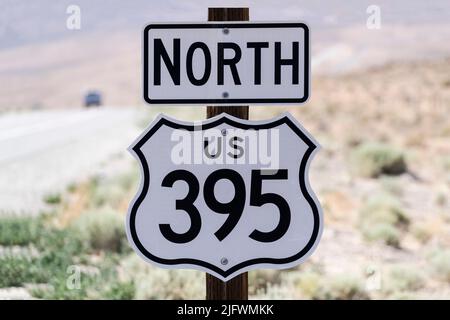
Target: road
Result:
[42, 152]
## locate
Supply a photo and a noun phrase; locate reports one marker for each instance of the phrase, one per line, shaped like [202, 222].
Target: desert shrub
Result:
[402, 296]
[14, 271]
[381, 218]
[19, 269]
[276, 292]
[56, 289]
[52, 198]
[384, 208]
[372, 160]
[53, 250]
[43, 266]
[422, 232]
[440, 264]
[19, 230]
[343, 287]
[120, 291]
[128, 180]
[402, 278]
[58, 249]
[260, 279]
[96, 281]
[104, 194]
[309, 284]
[392, 185]
[53, 240]
[446, 163]
[288, 284]
[102, 230]
[382, 232]
[72, 187]
[156, 283]
[445, 216]
[313, 285]
[110, 191]
[442, 198]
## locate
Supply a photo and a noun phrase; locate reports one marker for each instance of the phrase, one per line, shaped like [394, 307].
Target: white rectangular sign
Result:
[226, 63]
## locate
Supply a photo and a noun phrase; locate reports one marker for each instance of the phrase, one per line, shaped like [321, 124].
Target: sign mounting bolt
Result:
[225, 95]
[225, 31]
[224, 132]
[224, 261]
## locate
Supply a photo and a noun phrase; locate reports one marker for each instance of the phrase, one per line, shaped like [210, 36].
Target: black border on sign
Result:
[229, 26]
[223, 119]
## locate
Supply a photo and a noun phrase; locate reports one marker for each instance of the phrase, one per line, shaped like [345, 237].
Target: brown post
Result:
[236, 288]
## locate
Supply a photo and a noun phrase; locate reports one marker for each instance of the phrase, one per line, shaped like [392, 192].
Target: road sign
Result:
[225, 195]
[226, 63]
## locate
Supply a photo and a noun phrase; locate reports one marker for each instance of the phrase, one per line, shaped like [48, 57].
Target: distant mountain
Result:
[43, 64]
[25, 21]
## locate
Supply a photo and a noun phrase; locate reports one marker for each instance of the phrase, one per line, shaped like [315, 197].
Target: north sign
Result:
[226, 63]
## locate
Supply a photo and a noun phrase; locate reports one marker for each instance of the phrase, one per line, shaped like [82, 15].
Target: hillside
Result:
[45, 65]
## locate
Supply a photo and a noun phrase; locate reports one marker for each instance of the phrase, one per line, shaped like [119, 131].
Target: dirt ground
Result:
[405, 106]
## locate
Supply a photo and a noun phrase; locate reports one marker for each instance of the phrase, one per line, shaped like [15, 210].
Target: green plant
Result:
[19, 269]
[382, 207]
[72, 187]
[260, 279]
[381, 218]
[52, 198]
[276, 292]
[392, 185]
[440, 263]
[106, 195]
[19, 230]
[120, 291]
[128, 180]
[13, 270]
[403, 296]
[156, 283]
[382, 232]
[343, 287]
[43, 267]
[309, 284]
[57, 289]
[102, 230]
[446, 163]
[421, 233]
[372, 160]
[110, 191]
[402, 278]
[56, 249]
[100, 282]
[313, 285]
[63, 241]
[442, 198]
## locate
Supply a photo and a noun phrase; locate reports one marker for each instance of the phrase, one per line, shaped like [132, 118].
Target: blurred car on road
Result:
[93, 99]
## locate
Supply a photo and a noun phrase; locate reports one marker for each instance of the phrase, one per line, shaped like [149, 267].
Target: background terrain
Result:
[380, 109]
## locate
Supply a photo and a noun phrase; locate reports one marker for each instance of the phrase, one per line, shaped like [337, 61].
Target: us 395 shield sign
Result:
[224, 195]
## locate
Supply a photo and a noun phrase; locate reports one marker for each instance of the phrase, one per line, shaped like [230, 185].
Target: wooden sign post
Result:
[172, 75]
[236, 288]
